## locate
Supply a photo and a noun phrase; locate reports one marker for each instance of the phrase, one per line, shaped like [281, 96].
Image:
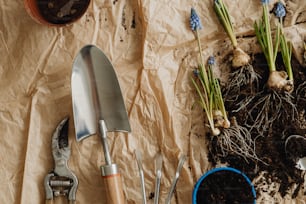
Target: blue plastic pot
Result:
[197, 186]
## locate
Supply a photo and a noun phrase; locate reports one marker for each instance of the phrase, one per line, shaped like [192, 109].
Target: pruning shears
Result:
[61, 181]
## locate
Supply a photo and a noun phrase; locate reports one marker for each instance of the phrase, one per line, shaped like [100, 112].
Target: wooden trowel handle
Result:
[49, 202]
[114, 191]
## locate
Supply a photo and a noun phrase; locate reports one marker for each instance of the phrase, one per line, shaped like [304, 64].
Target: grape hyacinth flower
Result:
[195, 22]
[279, 10]
[196, 72]
[211, 60]
[196, 25]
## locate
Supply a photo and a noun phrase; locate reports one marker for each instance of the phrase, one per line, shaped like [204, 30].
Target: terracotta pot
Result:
[224, 185]
[37, 12]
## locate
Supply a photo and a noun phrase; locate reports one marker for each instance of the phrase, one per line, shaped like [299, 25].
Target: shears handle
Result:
[114, 190]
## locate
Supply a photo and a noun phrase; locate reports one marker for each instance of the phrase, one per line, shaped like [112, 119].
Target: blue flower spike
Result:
[211, 60]
[279, 10]
[196, 72]
[195, 22]
[265, 1]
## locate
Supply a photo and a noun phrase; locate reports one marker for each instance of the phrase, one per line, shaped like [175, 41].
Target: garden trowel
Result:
[98, 108]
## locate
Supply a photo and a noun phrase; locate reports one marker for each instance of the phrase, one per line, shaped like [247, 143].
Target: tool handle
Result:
[114, 191]
[49, 201]
[143, 191]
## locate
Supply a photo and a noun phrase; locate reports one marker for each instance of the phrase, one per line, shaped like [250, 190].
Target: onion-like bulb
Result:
[240, 58]
[278, 81]
[215, 131]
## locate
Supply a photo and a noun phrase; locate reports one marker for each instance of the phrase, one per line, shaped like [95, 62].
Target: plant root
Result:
[295, 146]
[237, 140]
[266, 108]
[300, 93]
[300, 122]
[243, 81]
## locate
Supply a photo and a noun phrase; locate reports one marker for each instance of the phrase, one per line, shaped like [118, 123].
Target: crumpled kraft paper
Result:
[153, 51]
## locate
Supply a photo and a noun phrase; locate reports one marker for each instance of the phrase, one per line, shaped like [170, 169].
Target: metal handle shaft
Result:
[175, 179]
[103, 131]
[159, 164]
[142, 182]
[157, 187]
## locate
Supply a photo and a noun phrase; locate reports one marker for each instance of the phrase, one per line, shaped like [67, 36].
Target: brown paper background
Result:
[153, 61]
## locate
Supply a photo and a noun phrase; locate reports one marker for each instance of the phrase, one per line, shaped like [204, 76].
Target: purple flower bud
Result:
[195, 22]
[279, 10]
[265, 1]
[211, 60]
[196, 72]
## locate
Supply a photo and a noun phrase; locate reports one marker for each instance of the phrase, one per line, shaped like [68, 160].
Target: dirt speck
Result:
[123, 18]
[133, 24]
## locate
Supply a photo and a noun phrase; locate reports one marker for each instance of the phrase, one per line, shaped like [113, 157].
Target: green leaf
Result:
[264, 37]
[223, 15]
[286, 51]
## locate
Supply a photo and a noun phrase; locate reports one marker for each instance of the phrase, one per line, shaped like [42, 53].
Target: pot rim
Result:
[32, 10]
[196, 188]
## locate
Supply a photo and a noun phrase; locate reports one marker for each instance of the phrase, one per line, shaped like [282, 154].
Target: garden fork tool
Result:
[176, 177]
[61, 181]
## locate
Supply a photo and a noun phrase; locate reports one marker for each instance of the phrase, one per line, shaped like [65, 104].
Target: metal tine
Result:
[158, 164]
[175, 179]
[139, 163]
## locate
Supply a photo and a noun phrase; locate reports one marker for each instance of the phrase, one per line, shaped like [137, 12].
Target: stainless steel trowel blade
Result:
[96, 94]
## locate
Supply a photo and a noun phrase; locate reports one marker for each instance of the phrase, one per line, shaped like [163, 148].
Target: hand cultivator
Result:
[158, 163]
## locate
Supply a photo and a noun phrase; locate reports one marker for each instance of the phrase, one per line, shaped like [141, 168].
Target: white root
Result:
[301, 93]
[237, 140]
[278, 81]
[246, 75]
[264, 109]
[240, 58]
